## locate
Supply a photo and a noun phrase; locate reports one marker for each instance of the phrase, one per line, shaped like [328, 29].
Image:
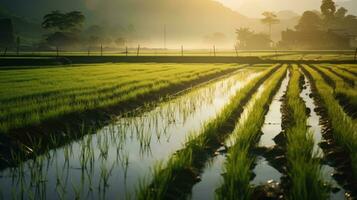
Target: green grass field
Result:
[33, 96]
[172, 130]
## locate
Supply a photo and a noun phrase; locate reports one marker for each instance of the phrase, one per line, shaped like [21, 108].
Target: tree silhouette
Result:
[65, 27]
[247, 39]
[243, 35]
[59, 21]
[328, 9]
[270, 18]
[341, 13]
[309, 22]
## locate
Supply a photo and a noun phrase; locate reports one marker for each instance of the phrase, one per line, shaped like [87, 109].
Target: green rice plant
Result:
[182, 168]
[344, 74]
[344, 128]
[237, 176]
[344, 91]
[350, 68]
[77, 189]
[304, 169]
[32, 96]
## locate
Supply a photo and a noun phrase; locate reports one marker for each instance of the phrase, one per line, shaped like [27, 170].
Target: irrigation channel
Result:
[115, 160]
[266, 175]
[334, 152]
[211, 177]
[316, 129]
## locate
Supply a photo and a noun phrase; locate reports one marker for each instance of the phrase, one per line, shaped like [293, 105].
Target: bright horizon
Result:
[254, 8]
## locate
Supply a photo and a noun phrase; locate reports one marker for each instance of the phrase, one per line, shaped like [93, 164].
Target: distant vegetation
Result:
[64, 26]
[331, 28]
[248, 39]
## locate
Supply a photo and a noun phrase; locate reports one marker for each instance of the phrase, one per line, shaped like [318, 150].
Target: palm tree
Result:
[270, 18]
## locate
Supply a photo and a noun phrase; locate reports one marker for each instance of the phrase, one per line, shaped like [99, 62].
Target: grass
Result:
[344, 88]
[344, 128]
[318, 56]
[351, 68]
[182, 169]
[237, 173]
[32, 96]
[304, 169]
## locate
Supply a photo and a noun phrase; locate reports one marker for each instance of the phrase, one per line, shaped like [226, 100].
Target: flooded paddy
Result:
[263, 171]
[316, 129]
[212, 175]
[115, 160]
[119, 159]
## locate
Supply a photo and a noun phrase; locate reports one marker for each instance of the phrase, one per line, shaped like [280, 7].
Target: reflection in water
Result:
[273, 119]
[316, 129]
[211, 179]
[272, 127]
[211, 176]
[110, 163]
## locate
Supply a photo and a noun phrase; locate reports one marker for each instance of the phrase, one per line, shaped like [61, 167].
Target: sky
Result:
[254, 8]
[193, 22]
[250, 8]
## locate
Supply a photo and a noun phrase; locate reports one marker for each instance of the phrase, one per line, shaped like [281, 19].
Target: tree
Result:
[328, 9]
[341, 13]
[65, 27]
[309, 22]
[270, 19]
[59, 21]
[247, 39]
[243, 35]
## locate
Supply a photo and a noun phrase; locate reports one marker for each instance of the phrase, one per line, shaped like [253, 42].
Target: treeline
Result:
[66, 32]
[63, 31]
[331, 28]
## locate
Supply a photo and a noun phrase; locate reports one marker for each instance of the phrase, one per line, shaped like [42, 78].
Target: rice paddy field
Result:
[180, 131]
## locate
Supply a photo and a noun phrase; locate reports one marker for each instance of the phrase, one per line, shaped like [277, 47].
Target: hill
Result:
[29, 31]
[194, 23]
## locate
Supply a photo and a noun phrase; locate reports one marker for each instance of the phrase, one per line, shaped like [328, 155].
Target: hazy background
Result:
[254, 8]
[192, 23]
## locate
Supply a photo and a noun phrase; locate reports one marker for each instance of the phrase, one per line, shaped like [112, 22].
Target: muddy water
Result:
[211, 177]
[111, 163]
[316, 129]
[272, 127]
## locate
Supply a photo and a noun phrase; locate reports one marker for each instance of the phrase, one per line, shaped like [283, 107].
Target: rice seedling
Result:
[237, 169]
[78, 160]
[304, 169]
[182, 169]
[344, 91]
[40, 98]
[351, 69]
[342, 126]
[349, 78]
[184, 114]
